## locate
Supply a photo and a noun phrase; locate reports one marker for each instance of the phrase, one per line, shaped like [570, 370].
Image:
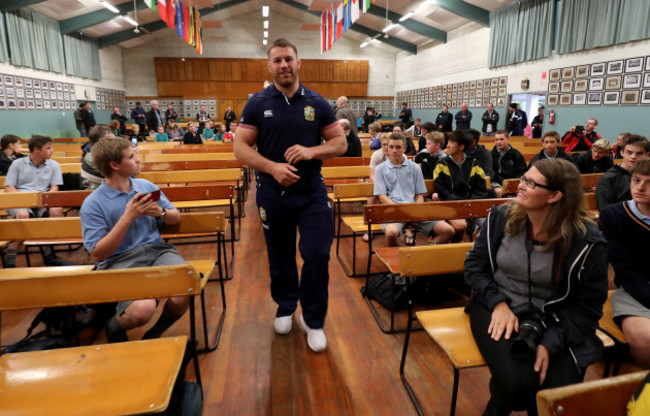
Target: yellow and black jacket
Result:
[455, 182]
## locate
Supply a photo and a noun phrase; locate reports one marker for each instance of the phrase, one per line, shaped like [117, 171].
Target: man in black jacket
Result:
[354, 144]
[614, 186]
[507, 162]
[153, 118]
[490, 120]
[445, 120]
[595, 160]
[88, 117]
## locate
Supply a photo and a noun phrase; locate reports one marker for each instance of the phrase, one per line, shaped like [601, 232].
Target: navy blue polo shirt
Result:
[281, 122]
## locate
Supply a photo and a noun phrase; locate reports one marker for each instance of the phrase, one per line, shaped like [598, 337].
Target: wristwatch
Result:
[162, 215]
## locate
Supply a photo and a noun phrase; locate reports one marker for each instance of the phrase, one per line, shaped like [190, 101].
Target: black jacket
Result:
[487, 119]
[152, 120]
[580, 292]
[427, 163]
[458, 183]
[561, 154]
[444, 121]
[614, 186]
[354, 145]
[509, 166]
[5, 162]
[586, 164]
[88, 119]
[484, 159]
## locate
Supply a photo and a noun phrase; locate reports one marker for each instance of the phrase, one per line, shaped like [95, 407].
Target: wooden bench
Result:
[71, 167]
[85, 380]
[63, 160]
[589, 180]
[608, 396]
[347, 161]
[45, 230]
[187, 156]
[54, 288]
[449, 328]
[335, 175]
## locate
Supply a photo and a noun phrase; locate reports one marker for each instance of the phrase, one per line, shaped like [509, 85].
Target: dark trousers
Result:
[283, 212]
[514, 383]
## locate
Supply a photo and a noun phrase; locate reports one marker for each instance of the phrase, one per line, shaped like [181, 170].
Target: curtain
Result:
[82, 57]
[4, 53]
[521, 31]
[34, 41]
[588, 24]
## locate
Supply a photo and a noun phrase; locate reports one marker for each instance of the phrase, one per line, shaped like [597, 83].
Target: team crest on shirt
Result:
[262, 214]
[310, 113]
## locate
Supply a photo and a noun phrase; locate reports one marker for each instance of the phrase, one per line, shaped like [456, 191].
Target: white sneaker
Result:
[315, 337]
[282, 325]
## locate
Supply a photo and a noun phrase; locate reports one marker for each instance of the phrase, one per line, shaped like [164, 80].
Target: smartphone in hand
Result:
[155, 195]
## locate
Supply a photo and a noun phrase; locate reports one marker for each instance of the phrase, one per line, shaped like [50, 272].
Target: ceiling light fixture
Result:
[264, 42]
[129, 20]
[265, 11]
[266, 24]
[109, 6]
[364, 44]
[266, 34]
[389, 27]
[407, 15]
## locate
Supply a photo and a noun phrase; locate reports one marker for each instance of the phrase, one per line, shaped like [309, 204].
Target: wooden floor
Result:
[255, 372]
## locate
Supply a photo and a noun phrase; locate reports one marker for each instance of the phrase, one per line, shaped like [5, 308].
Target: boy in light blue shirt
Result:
[399, 181]
[120, 221]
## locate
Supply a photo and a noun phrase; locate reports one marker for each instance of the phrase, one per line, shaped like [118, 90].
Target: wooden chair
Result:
[449, 328]
[428, 211]
[347, 161]
[189, 156]
[71, 167]
[335, 175]
[608, 396]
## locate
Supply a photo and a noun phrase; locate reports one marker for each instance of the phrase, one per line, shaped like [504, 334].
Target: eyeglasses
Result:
[531, 184]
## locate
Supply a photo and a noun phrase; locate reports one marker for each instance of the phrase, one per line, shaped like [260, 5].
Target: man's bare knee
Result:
[22, 215]
[139, 313]
[178, 304]
[56, 212]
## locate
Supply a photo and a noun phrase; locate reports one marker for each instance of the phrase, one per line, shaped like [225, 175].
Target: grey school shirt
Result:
[27, 177]
[399, 183]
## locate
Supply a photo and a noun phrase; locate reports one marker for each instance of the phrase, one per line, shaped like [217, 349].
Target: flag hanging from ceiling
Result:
[339, 20]
[197, 31]
[179, 19]
[171, 13]
[354, 11]
[186, 24]
[150, 4]
[164, 13]
[330, 27]
[323, 32]
[346, 14]
[366, 5]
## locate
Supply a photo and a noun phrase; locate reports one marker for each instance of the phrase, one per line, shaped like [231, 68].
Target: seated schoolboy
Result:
[229, 136]
[550, 141]
[410, 147]
[120, 221]
[626, 226]
[191, 136]
[595, 160]
[161, 136]
[91, 178]
[458, 176]
[428, 157]
[208, 132]
[399, 181]
[136, 133]
[507, 162]
[614, 186]
[35, 173]
[375, 134]
[618, 146]
[10, 150]
[174, 131]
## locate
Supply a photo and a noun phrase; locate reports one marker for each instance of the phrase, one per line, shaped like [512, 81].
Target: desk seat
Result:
[124, 378]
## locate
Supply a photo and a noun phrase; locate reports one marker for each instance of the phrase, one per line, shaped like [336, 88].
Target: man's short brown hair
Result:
[635, 139]
[397, 136]
[109, 150]
[98, 132]
[502, 132]
[551, 133]
[602, 144]
[281, 43]
[37, 142]
[7, 140]
[642, 167]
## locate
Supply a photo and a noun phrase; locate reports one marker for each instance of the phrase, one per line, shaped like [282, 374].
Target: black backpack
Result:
[388, 290]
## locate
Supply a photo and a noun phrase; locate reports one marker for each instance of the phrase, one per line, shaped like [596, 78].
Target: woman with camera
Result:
[538, 273]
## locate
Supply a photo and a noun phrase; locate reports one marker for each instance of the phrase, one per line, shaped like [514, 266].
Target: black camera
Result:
[531, 329]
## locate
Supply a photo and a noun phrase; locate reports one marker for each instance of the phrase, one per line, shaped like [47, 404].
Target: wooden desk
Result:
[123, 378]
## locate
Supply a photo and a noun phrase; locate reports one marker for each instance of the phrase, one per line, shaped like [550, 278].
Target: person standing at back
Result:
[490, 120]
[288, 123]
[228, 117]
[463, 118]
[538, 123]
[444, 120]
[343, 111]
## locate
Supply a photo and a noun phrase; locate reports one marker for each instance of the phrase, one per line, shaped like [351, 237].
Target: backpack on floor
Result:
[388, 290]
